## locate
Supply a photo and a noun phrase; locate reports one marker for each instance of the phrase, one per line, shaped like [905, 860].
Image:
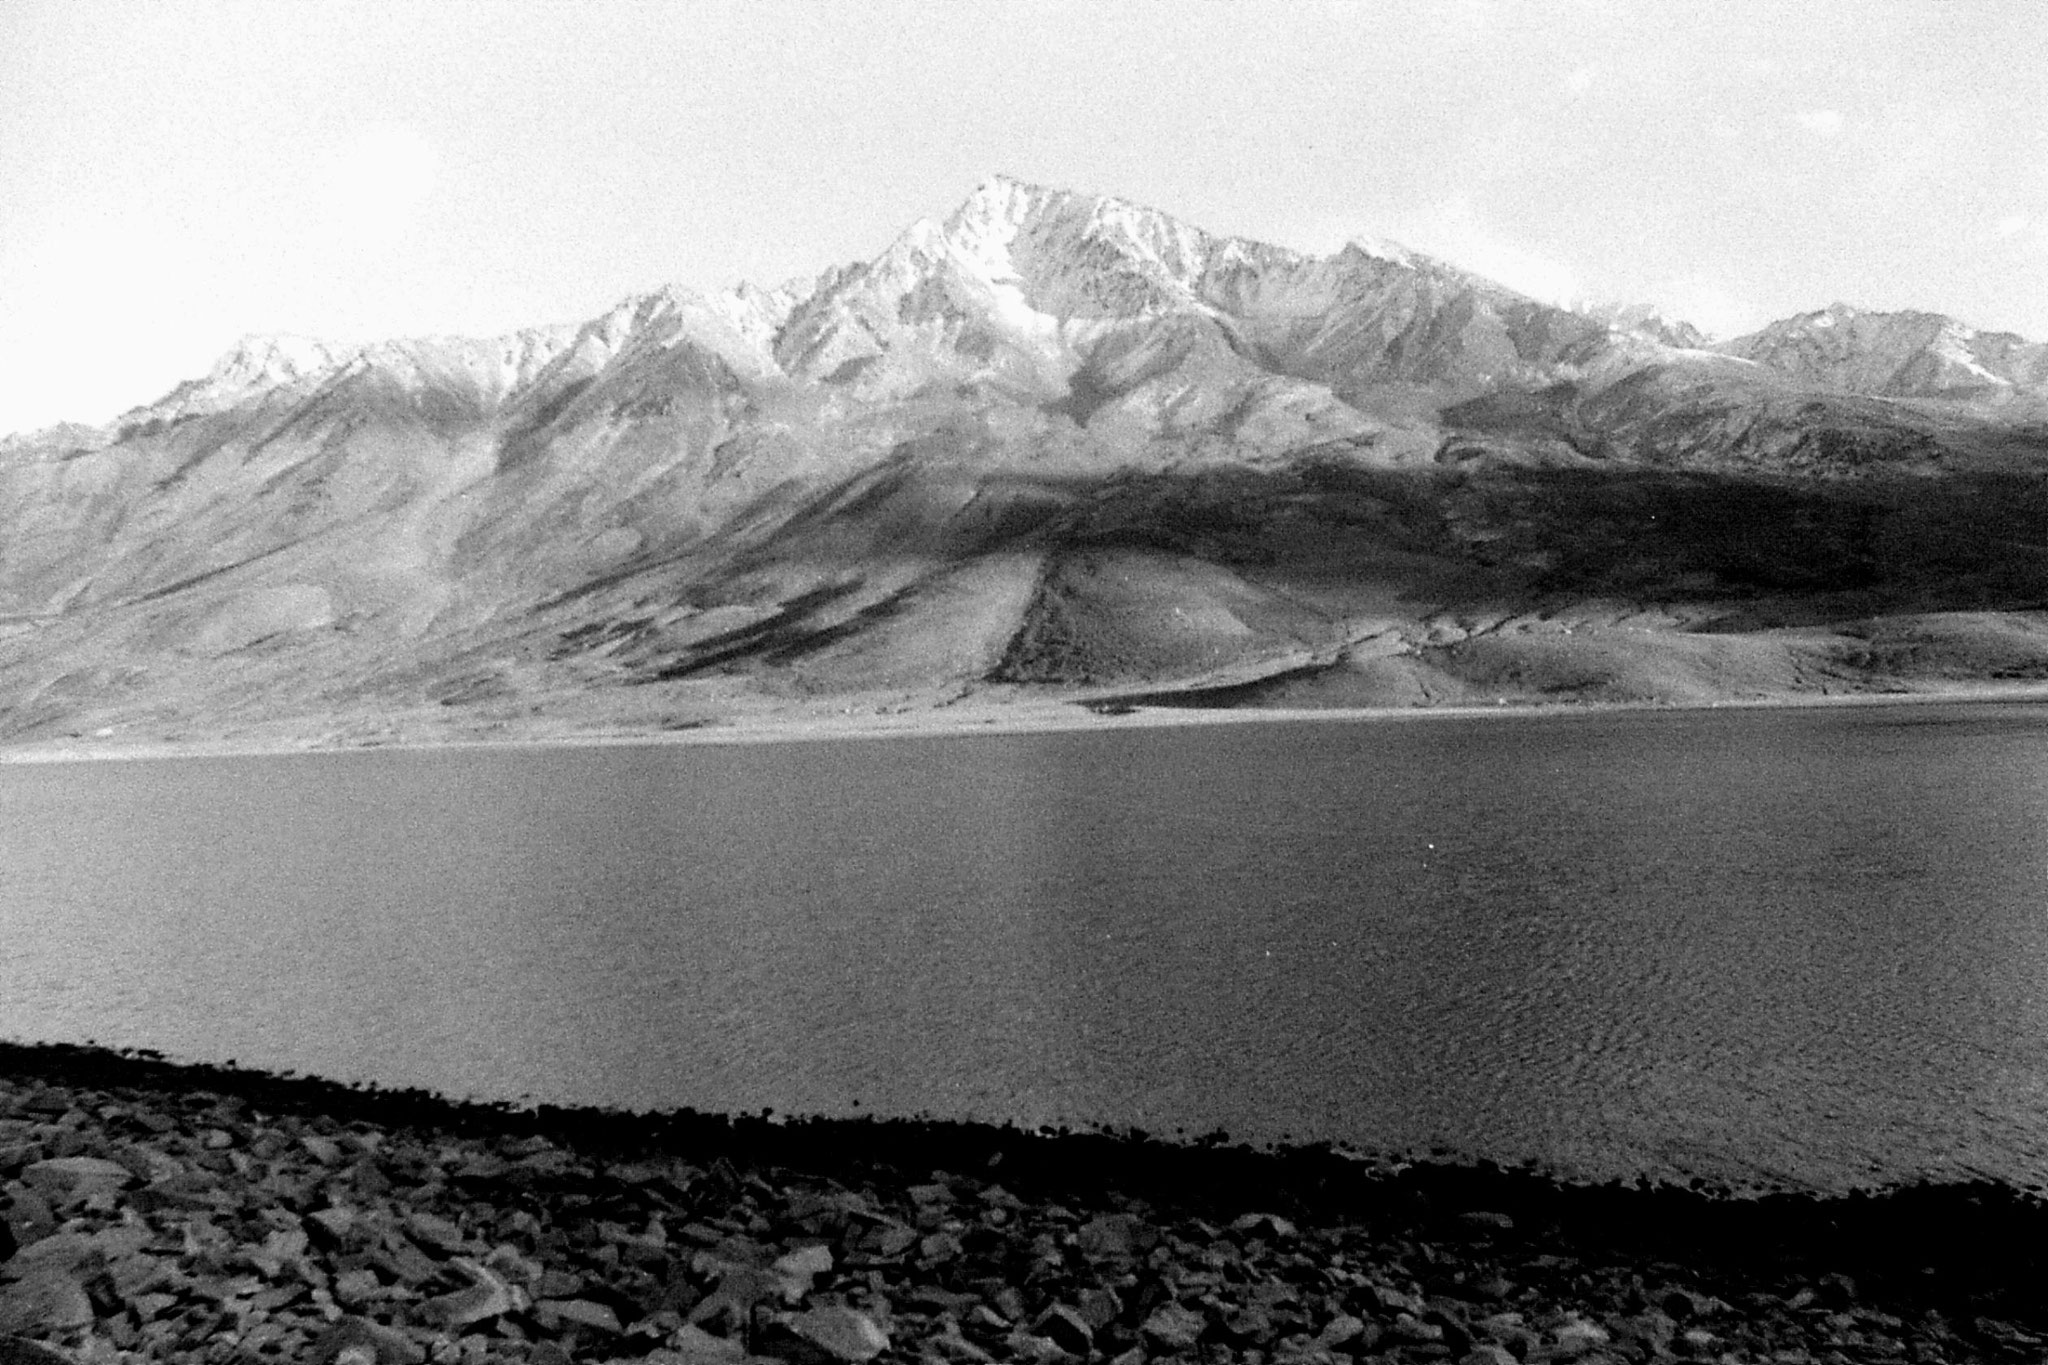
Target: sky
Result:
[176, 174]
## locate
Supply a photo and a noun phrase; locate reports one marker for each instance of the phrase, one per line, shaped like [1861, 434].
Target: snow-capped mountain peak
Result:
[1905, 354]
[1381, 249]
[261, 360]
[1036, 290]
[1645, 320]
[254, 365]
[1078, 254]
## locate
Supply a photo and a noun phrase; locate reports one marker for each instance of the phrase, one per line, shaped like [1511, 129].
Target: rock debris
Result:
[171, 1221]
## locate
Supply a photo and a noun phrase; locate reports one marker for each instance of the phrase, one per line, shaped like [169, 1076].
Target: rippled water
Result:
[1808, 946]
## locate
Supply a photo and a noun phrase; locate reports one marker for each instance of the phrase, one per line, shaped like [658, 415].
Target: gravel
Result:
[167, 1213]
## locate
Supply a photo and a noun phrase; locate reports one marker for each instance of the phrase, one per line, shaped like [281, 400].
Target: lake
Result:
[1797, 946]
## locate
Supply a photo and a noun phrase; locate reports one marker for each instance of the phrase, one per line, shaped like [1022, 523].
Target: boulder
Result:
[1174, 1327]
[487, 1297]
[324, 1150]
[403, 1260]
[1099, 1307]
[439, 1233]
[1340, 1330]
[1412, 1330]
[1250, 1325]
[833, 1333]
[1271, 1224]
[1028, 1348]
[950, 1345]
[738, 1290]
[29, 1216]
[354, 1287]
[1391, 1300]
[1486, 1353]
[65, 1178]
[1578, 1336]
[70, 1171]
[930, 1296]
[1115, 1237]
[1065, 1328]
[938, 1248]
[588, 1312]
[894, 1239]
[358, 1341]
[44, 1302]
[695, 1346]
[61, 1252]
[800, 1268]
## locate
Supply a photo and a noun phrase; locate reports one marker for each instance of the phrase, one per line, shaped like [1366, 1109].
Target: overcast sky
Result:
[176, 174]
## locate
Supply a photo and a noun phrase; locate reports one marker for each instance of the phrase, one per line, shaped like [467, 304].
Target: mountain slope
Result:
[1054, 445]
[1898, 355]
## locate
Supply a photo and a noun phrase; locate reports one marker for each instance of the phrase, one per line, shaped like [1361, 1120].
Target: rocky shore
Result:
[165, 1213]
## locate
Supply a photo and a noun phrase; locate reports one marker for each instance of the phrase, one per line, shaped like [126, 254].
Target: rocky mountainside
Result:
[1056, 445]
[1898, 355]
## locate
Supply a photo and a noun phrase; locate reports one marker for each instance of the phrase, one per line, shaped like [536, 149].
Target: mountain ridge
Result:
[1172, 260]
[1051, 445]
[1906, 353]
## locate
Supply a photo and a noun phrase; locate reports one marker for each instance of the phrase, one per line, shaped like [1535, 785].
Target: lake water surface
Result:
[1802, 945]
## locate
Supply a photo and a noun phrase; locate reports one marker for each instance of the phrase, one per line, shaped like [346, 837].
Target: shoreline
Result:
[953, 720]
[192, 1212]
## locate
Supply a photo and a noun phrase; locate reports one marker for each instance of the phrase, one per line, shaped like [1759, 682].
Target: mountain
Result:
[1053, 447]
[1646, 320]
[1898, 355]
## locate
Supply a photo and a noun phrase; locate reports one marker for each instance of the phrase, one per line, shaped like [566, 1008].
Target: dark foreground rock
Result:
[188, 1214]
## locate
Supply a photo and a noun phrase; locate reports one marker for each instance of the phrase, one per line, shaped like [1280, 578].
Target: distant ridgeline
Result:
[1056, 445]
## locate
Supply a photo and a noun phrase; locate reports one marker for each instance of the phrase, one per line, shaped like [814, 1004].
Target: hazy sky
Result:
[175, 174]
